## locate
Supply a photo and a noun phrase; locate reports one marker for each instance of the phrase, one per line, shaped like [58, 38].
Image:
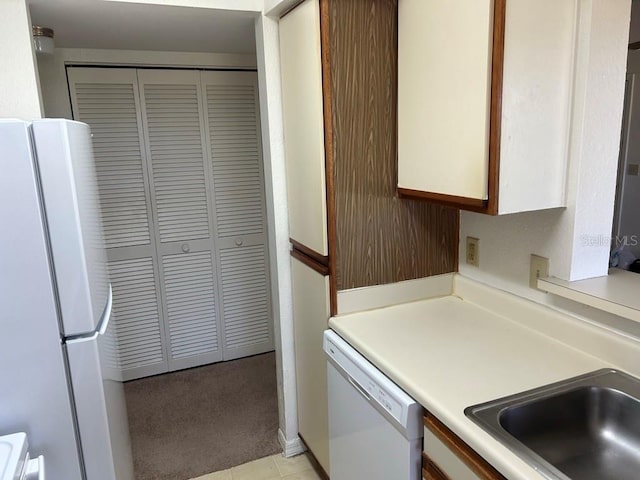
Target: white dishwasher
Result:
[375, 428]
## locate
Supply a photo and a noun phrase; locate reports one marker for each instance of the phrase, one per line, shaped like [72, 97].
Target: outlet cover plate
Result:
[473, 251]
[539, 269]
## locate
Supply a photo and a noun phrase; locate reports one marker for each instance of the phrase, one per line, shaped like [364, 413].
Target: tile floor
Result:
[275, 467]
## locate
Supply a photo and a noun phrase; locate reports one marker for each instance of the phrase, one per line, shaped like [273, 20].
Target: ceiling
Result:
[130, 26]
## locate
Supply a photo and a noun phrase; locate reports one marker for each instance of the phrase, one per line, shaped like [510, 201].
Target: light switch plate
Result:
[473, 251]
[539, 269]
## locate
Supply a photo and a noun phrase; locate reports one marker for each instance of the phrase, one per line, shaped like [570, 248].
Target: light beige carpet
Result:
[188, 423]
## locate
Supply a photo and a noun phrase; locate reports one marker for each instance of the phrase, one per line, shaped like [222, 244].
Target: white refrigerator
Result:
[59, 369]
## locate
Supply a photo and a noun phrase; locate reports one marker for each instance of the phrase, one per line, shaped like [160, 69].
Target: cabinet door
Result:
[301, 72]
[232, 124]
[172, 108]
[310, 320]
[444, 97]
[443, 463]
[107, 100]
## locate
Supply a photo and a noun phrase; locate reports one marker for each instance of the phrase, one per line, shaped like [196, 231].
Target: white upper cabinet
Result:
[484, 102]
[303, 116]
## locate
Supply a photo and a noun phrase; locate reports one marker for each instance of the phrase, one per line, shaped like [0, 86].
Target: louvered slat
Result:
[245, 296]
[136, 313]
[110, 110]
[191, 309]
[237, 173]
[177, 160]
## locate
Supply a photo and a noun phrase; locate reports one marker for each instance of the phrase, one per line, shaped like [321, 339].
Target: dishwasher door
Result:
[375, 428]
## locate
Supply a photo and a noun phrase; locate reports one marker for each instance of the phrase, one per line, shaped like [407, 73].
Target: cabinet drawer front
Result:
[440, 463]
[450, 455]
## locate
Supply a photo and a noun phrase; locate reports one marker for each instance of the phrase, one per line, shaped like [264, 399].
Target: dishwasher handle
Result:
[359, 388]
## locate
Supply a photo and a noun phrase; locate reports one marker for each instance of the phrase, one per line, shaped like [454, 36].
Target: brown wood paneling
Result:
[463, 451]
[327, 105]
[381, 238]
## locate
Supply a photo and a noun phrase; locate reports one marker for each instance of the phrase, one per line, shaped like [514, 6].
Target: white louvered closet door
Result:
[233, 130]
[183, 214]
[107, 100]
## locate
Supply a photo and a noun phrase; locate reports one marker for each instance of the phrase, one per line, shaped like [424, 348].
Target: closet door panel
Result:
[235, 156]
[107, 100]
[135, 312]
[191, 308]
[172, 114]
[233, 129]
[245, 296]
[174, 132]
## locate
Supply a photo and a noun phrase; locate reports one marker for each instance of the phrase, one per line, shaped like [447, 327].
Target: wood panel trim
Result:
[495, 118]
[310, 262]
[329, 153]
[310, 252]
[431, 471]
[444, 199]
[463, 451]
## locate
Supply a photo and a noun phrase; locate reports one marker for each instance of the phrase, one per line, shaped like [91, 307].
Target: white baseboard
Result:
[291, 447]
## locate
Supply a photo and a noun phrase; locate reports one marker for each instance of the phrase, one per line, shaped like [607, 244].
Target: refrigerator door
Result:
[34, 391]
[65, 161]
[100, 405]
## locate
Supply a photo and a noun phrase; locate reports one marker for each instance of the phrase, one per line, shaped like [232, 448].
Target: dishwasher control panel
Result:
[367, 379]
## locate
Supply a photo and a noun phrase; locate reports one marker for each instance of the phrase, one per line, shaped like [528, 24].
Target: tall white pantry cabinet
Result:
[179, 167]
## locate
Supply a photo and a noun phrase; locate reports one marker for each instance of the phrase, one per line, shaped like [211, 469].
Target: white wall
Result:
[268, 51]
[566, 236]
[20, 94]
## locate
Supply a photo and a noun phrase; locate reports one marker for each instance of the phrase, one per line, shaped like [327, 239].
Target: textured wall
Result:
[380, 238]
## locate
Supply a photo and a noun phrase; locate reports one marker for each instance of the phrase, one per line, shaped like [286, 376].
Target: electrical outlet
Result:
[473, 251]
[539, 269]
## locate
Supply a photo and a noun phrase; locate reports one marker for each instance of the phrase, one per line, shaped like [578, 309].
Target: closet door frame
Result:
[108, 75]
[183, 77]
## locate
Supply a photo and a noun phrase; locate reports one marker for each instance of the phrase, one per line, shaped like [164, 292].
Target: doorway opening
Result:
[175, 121]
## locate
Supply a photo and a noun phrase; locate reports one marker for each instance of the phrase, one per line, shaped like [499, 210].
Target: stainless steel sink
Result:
[583, 428]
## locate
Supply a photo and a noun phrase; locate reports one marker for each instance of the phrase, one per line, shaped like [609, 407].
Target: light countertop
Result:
[449, 354]
[615, 293]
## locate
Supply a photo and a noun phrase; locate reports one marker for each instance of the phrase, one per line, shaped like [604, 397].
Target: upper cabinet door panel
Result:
[301, 70]
[444, 75]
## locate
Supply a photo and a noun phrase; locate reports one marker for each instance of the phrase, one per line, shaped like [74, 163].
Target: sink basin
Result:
[583, 428]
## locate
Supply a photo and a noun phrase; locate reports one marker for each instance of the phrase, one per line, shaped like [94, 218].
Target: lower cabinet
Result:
[447, 457]
[310, 318]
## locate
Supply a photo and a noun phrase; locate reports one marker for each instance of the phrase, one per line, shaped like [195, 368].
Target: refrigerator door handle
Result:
[106, 315]
[103, 324]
